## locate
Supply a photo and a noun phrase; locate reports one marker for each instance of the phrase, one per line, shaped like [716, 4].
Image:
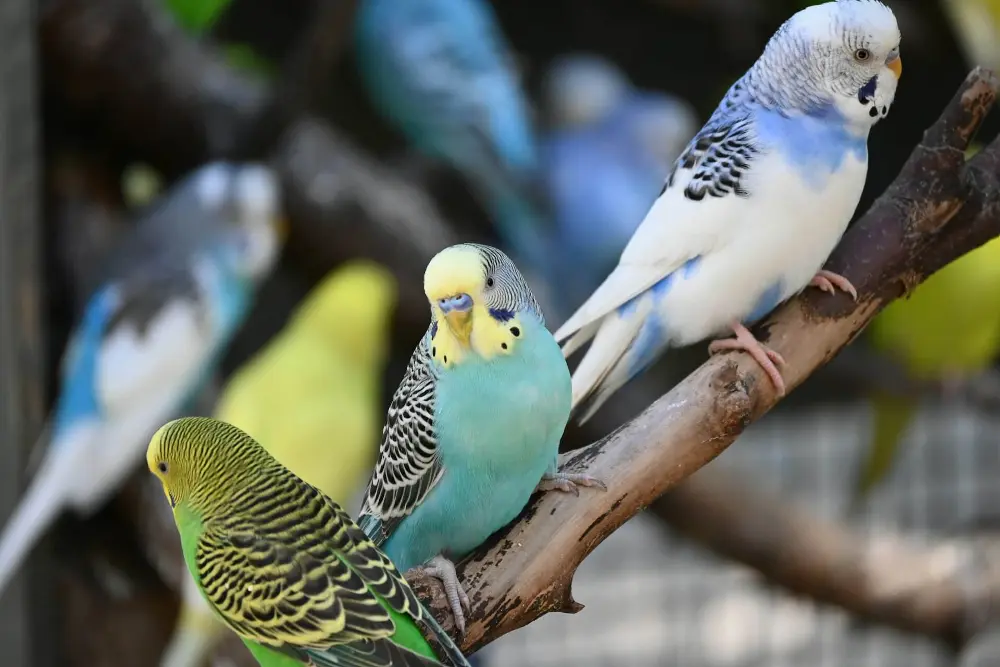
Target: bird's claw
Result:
[569, 482]
[444, 570]
[828, 281]
[768, 359]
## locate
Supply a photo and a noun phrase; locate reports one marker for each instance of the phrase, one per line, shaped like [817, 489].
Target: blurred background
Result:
[228, 204]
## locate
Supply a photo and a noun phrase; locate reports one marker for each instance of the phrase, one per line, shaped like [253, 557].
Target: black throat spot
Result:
[867, 91]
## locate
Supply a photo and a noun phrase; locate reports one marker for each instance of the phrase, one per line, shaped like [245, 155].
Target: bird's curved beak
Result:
[457, 311]
[170, 496]
[896, 66]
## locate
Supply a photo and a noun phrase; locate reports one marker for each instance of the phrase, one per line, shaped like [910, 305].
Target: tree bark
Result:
[939, 207]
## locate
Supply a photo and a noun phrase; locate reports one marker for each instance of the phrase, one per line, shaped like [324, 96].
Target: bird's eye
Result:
[862, 55]
[489, 282]
[162, 467]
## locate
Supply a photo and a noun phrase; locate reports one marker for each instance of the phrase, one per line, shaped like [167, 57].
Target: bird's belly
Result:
[773, 255]
[459, 514]
[497, 435]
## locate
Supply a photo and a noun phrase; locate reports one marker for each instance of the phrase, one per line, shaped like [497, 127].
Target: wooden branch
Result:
[128, 64]
[882, 578]
[938, 208]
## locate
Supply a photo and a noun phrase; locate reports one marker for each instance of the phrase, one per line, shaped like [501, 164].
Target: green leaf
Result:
[197, 16]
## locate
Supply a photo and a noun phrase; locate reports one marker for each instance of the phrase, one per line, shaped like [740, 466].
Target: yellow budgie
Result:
[312, 398]
[948, 327]
[977, 23]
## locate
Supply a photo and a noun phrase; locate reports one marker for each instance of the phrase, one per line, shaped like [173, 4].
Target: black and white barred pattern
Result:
[408, 466]
[506, 290]
[720, 156]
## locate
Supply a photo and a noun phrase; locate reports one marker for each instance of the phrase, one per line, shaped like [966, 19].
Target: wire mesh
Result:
[654, 599]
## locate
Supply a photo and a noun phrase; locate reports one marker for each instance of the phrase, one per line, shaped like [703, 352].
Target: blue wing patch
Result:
[78, 398]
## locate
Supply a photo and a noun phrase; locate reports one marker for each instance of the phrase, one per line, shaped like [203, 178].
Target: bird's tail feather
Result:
[48, 494]
[891, 416]
[441, 642]
[196, 632]
[579, 338]
[593, 379]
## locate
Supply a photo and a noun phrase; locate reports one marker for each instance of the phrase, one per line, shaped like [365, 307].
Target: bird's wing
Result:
[156, 341]
[408, 464]
[306, 581]
[459, 67]
[692, 216]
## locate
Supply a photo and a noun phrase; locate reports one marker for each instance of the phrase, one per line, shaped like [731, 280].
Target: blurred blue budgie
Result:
[753, 207]
[581, 89]
[606, 158]
[175, 293]
[442, 72]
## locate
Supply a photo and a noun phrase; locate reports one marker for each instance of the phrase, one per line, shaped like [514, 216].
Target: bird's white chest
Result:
[774, 243]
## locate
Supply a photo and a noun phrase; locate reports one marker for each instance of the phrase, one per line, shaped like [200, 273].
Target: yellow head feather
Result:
[455, 270]
[459, 283]
[205, 462]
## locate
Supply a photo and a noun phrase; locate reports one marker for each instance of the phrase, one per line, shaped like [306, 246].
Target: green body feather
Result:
[949, 325]
[280, 563]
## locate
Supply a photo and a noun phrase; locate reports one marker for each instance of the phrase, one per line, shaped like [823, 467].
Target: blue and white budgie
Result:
[176, 292]
[755, 204]
[474, 427]
[606, 158]
[443, 73]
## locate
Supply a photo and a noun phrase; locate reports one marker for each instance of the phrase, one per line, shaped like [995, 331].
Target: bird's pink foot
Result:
[568, 482]
[443, 569]
[768, 359]
[828, 281]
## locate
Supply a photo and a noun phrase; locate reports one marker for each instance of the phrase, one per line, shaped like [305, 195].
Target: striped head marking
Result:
[205, 462]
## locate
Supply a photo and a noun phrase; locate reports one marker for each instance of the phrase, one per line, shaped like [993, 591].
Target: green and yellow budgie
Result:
[312, 398]
[977, 23]
[948, 328]
[283, 566]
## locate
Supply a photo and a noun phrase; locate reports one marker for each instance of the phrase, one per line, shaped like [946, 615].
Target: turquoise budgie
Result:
[474, 427]
[442, 72]
[174, 294]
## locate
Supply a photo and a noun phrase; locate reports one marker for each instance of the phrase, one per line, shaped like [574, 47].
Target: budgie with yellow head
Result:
[474, 427]
[948, 328]
[280, 563]
[312, 398]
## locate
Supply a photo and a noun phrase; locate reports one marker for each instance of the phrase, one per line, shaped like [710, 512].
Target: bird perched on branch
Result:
[606, 155]
[474, 427]
[948, 329]
[442, 72]
[753, 207]
[282, 565]
[312, 398]
[176, 292]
